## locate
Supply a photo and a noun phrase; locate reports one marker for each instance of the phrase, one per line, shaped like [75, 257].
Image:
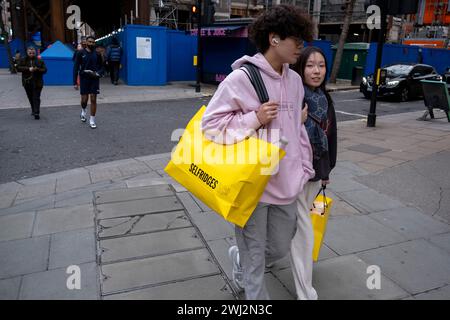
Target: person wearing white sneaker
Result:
[237, 273]
[89, 67]
[236, 108]
[92, 122]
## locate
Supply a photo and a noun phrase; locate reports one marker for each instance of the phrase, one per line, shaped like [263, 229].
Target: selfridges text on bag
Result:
[230, 179]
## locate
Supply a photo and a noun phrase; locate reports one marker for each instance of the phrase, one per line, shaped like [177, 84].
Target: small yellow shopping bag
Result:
[229, 179]
[319, 218]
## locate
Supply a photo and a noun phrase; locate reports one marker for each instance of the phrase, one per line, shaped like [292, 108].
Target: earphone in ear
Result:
[275, 41]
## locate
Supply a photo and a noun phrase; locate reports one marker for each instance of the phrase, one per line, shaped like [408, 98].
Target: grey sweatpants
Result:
[265, 238]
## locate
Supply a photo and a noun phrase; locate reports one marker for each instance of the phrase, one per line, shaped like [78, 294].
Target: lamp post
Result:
[372, 116]
[199, 45]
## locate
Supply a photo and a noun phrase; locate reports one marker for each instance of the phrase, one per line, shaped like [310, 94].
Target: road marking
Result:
[351, 114]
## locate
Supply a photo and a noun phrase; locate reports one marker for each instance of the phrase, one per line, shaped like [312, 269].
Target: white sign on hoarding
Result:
[143, 48]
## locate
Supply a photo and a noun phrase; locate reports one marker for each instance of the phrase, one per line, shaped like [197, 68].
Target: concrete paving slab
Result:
[72, 248]
[219, 249]
[349, 234]
[122, 195]
[16, 226]
[20, 257]
[189, 203]
[81, 199]
[442, 241]
[152, 244]
[200, 203]
[287, 280]
[134, 169]
[326, 253]
[9, 289]
[36, 190]
[368, 200]
[212, 226]
[347, 168]
[401, 183]
[346, 278]
[157, 164]
[206, 288]
[410, 222]
[143, 224]
[344, 184]
[63, 219]
[103, 174]
[10, 187]
[341, 207]
[416, 266]
[150, 179]
[438, 294]
[7, 199]
[52, 285]
[366, 148]
[71, 182]
[157, 270]
[30, 205]
[138, 207]
[277, 290]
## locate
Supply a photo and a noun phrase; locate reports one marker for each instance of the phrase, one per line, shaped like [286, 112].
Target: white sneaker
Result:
[238, 274]
[83, 116]
[92, 124]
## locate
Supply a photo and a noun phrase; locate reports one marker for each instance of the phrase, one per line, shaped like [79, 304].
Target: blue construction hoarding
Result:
[59, 62]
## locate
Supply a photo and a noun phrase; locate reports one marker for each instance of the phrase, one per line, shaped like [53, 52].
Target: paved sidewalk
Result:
[12, 95]
[136, 234]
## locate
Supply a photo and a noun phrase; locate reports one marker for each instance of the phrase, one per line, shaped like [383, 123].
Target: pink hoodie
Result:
[232, 112]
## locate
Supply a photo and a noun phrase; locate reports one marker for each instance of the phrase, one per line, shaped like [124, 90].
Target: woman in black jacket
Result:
[320, 121]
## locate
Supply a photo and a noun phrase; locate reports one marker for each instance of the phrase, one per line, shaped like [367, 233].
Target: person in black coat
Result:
[319, 118]
[33, 70]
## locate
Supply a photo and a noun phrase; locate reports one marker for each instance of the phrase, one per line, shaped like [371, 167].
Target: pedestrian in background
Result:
[113, 57]
[235, 111]
[33, 70]
[89, 66]
[320, 123]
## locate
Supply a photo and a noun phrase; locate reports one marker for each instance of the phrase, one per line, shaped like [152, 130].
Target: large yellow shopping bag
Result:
[229, 179]
[319, 217]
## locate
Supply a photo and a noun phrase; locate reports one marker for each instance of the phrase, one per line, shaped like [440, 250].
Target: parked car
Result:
[402, 81]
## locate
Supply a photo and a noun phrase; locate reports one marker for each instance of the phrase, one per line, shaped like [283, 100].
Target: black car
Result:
[402, 81]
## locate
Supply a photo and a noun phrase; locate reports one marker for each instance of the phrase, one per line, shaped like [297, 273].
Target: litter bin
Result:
[357, 74]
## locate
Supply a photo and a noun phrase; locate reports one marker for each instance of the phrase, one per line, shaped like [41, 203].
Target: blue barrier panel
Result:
[180, 67]
[58, 59]
[3, 57]
[438, 58]
[145, 55]
[325, 45]
[392, 53]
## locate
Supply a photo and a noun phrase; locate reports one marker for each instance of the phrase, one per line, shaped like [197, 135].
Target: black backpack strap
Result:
[254, 75]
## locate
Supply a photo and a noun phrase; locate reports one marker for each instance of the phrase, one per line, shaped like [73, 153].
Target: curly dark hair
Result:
[285, 21]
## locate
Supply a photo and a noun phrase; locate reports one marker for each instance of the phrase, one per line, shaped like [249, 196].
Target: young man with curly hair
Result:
[235, 112]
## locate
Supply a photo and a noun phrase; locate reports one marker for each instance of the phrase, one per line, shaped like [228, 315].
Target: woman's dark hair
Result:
[300, 66]
[285, 21]
[90, 37]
